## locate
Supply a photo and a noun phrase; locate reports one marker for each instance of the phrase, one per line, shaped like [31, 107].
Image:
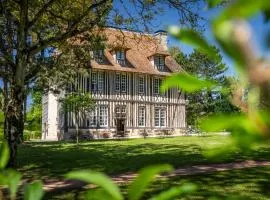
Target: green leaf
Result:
[34, 191]
[98, 179]
[174, 192]
[213, 3]
[185, 82]
[193, 38]
[4, 155]
[13, 180]
[146, 175]
[243, 9]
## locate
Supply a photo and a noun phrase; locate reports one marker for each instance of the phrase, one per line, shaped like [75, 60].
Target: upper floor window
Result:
[120, 82]
[97, 81]
[159, 62]
[94, 81]
[117, 82]
[121, 57]
[100, 81]
[141, 84]
[123, 82]
[98, 55]
[156, 86]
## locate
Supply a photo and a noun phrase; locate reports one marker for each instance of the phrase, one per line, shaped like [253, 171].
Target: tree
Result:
[31, 29]
[78, 103]
[207, 101]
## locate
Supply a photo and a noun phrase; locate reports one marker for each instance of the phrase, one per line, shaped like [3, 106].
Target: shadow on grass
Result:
[48, 160]
[245, 184]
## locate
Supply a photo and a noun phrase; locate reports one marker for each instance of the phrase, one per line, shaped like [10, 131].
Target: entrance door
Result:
[120, 127]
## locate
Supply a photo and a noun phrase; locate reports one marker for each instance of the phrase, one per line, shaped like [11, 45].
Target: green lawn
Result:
[244, 184]
[42, 160]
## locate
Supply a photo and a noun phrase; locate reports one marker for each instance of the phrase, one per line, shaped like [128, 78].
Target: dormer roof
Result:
[139, 47]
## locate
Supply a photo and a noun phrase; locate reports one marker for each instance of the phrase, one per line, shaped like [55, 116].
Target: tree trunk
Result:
[5, 95]
[14, 121]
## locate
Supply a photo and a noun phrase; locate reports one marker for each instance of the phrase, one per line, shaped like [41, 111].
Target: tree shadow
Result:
[40, 160]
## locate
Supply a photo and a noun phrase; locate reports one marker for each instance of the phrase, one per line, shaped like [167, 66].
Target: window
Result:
[117, 82]
[92, 117]
[121, 57]
[120, 82]
[98, 55]
[123, 82]
[100, 81]
[141, 84]
[159, 61]
[120, 111]
[103, 116]
[141, 116]
[157, 84]
[94, 81]
[160, 117]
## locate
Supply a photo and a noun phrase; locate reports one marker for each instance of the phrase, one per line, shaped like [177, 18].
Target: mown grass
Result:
[244, 184]
[43, 160]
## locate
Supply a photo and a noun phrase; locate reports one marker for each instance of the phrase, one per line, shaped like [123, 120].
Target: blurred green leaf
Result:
[34, 191]
[146, 175]
[13, 180]
[4, 155]
[222, 122]
[98, 179]
[223, 32]
[243, 9]
[97, 194]
[213, 3]
[193, 38]
[185, 82]
[174, 192]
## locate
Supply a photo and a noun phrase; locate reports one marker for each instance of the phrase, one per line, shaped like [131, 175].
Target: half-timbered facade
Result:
[124, 79]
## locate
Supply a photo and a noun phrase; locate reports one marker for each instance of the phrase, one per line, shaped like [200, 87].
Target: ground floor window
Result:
[160, 117]
[103, 116]
[141, 116]
[98, 117]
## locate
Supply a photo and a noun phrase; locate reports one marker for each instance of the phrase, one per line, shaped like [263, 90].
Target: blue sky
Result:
[171, 17]
[258, 26]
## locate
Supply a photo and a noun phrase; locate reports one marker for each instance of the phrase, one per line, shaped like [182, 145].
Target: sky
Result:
[170, 17]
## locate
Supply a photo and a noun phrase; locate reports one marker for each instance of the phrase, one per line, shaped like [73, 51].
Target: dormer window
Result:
[98, 55]
[159, 62]
[121, 57]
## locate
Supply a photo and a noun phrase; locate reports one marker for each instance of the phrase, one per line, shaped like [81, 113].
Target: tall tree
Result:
[31, 28]
[207, 101]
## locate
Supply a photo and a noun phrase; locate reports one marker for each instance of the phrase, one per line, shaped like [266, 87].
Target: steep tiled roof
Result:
[139, 47]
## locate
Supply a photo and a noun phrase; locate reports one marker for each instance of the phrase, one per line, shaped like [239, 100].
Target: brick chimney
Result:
[162, 36]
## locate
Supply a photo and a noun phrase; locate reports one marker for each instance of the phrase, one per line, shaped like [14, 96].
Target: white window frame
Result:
[101, 81]
[141, 116]
[141, 84]
[120, 57]
[159, 62]
[103, 116]
[98, 55]
[160, 117]
[123, 83]
[93, 117]
[117, 82]
[156, 86]
[94, 83]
